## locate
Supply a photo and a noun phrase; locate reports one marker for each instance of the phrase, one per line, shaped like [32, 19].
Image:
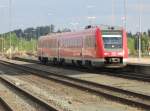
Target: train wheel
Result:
[39, 58]
[88, 64]
[62, 61]
[55, 61]
[74, 63]
[44, 60]
[79, 63]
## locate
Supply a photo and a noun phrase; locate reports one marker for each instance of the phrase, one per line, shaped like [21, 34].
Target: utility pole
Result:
[4, 44]
[10, 18]
[33, 42]
[125, 14]
[140, 27]
[2, 7]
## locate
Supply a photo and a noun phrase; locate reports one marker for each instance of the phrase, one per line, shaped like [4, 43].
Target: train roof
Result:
[109, 27]
[85, 31]
[105, 27]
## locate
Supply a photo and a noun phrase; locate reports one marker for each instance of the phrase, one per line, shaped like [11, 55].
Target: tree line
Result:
[133, 43]
[34, 33]
[27, 39]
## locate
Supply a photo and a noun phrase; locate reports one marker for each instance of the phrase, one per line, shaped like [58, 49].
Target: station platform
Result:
[142, 60]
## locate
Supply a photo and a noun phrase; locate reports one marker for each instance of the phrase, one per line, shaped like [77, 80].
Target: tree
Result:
[19, 32]
[131, 45]
[52, 28]
[149, 32]
[144, 44]
[129, 34]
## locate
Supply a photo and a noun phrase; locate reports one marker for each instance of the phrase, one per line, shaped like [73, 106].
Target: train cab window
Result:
[112, 41]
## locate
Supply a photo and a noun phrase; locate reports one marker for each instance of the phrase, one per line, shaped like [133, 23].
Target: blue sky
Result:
[62, 13]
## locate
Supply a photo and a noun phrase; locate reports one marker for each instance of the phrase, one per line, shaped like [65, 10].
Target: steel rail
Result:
[115, 94]
[127, 75]
[28, 94]
[5, 105]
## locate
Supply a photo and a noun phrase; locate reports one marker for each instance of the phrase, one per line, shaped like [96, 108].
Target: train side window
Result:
[66, 43]
[89, 42]
[70, 43]
[43, 44]
[49, 43]
[73, 44]
[52, 43]
[76, 43]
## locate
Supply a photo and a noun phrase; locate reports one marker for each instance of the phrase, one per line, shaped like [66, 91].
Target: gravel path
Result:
[63, 96]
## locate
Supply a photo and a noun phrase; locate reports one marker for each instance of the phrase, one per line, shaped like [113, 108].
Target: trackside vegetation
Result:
[133, 44]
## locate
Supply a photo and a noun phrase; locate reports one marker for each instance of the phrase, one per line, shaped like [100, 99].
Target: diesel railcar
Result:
[95, 46]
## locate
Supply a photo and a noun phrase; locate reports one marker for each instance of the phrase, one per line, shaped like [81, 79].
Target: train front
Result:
[115, 46]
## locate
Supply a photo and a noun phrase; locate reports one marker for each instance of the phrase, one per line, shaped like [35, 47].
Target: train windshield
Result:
[112, 41]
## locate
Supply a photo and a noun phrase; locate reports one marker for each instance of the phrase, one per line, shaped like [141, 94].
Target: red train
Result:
[95, 46]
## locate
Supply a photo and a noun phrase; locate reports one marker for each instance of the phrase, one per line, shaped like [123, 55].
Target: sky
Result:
[72, 14]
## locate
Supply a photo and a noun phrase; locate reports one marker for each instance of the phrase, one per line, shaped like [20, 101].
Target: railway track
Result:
[42, 104]
[4, 106]
[111, 72]
[115, 94]
[127, 75]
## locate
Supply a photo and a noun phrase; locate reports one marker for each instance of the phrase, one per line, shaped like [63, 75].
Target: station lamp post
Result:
[125, 15]
[3, 35]
[32, 41]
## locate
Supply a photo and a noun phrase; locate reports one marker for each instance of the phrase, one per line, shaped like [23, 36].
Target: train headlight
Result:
[106, 54]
